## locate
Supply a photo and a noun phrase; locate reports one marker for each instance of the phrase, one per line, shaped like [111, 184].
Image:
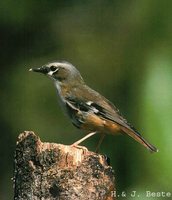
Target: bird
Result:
[87, 109]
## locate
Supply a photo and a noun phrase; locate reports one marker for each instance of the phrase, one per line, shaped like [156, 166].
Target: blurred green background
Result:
[123, 49]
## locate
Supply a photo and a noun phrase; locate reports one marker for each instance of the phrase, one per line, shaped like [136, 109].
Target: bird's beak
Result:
[43, 70]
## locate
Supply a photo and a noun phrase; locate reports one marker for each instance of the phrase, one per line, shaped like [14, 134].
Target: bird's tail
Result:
[135, 135]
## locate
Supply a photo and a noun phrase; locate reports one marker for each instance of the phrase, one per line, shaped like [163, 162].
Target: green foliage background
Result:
[122, 49]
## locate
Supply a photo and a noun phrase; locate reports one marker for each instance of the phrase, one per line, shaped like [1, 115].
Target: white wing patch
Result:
[89, 103]
[95, 110]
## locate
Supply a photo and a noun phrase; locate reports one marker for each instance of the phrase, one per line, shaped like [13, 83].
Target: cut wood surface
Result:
[56, 171]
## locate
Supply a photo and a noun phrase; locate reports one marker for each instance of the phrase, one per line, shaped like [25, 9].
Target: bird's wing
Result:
[104, 109]
[113, 114]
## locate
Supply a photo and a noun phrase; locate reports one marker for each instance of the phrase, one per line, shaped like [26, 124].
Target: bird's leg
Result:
[84, 138]
[81, 140]
[100, 142]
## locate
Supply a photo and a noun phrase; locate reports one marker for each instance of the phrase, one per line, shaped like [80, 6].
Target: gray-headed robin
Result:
[86, 108]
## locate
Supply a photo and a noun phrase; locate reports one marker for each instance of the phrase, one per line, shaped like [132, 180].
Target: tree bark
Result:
[56, 171]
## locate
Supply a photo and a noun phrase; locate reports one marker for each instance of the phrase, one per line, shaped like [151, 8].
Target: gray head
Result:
[60, 71]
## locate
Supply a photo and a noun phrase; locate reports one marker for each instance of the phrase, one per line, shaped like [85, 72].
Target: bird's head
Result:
[61, 72]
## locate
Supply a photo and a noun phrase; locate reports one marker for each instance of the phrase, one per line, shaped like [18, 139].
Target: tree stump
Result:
[56, 171]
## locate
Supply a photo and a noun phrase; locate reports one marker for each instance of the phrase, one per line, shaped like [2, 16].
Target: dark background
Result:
[122, 49]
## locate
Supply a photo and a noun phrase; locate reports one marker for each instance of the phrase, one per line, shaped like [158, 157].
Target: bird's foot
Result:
[84, 149]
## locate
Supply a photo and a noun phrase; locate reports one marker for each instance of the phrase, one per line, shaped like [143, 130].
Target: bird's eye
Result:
[53, 68]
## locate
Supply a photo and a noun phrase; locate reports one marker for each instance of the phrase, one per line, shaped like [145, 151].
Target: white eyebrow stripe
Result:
[50, 73]
[56, 70]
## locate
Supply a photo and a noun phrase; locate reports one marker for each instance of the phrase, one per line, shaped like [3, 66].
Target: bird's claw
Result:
[84, 149]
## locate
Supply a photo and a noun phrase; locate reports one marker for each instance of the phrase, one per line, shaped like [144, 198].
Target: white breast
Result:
[61, 99]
